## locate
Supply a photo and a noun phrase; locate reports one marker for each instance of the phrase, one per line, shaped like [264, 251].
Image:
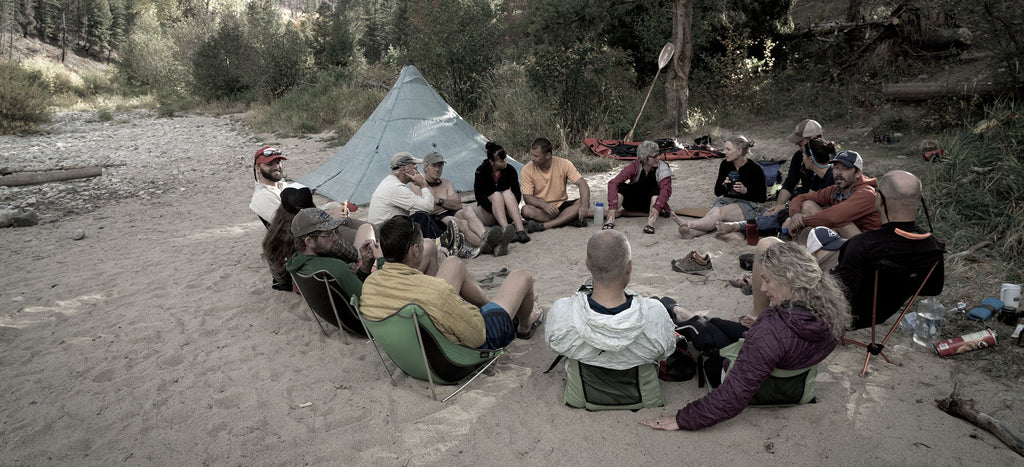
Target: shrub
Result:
[24, 104]
[977, 193]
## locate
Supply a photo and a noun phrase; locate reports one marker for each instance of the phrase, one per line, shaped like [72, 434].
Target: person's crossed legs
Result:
[515, 296]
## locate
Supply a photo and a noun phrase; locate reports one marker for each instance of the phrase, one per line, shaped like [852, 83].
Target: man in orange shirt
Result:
[544, 180]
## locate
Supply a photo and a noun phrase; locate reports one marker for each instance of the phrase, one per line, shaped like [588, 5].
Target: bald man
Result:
[612, 327]
[899, 240]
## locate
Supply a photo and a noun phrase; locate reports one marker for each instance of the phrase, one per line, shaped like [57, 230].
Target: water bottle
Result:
[599, 214]
[752, 232]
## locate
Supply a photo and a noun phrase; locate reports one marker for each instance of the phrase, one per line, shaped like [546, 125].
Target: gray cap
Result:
[403, 159]
[805, 129]
[433, 158]
[311, 220]
[849, 159]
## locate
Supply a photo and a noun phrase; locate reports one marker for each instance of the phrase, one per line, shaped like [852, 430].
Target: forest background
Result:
[568, 69]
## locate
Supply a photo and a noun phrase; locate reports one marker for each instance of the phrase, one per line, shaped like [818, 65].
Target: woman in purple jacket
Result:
[644, 186]
[806, 319]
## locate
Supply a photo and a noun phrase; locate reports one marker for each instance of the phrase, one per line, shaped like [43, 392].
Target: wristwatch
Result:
[440, 201]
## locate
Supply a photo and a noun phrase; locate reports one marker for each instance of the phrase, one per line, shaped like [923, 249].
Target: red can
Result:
[966, 343]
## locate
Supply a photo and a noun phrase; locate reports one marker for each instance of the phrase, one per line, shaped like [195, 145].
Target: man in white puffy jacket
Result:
[611, 327]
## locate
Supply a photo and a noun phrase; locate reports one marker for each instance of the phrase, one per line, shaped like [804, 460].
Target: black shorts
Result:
[567, 204]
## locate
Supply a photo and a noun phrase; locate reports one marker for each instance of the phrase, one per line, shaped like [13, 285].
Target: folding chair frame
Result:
[331, 287]
[876, 348]
[420, 314]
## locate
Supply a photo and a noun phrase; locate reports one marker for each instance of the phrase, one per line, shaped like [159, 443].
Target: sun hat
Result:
[403, 159]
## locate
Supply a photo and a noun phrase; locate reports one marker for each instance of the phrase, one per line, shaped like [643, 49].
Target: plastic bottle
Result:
[752, 232]
[599, 214]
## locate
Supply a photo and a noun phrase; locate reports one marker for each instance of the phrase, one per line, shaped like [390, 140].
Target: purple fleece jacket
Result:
[786, 338]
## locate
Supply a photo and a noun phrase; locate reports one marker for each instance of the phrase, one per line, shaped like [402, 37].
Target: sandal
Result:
[608, 226]
[743, 284]
[648, 229]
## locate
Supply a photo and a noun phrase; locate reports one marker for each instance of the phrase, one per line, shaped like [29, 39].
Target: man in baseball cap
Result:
[316, 231]
[848, 207]
[267, 170]
[396, 196]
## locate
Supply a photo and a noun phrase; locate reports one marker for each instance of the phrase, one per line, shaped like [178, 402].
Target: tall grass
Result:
[977, 193]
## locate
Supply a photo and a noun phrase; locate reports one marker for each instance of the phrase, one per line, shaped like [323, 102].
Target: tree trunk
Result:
[677, 83]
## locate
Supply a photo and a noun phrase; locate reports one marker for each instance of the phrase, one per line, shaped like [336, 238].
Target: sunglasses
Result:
[271, 152]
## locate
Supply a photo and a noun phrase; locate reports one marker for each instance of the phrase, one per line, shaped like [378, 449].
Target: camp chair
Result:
[596, 388]
[420, 350]
[328, 302]
[890, 273]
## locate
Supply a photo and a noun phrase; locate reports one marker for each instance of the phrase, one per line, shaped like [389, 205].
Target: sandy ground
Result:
[158, 340]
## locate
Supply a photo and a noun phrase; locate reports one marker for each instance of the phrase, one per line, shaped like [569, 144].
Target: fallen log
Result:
[924, 91]
[964, 409]
[8, 171]
[35, 178]
[823, 29]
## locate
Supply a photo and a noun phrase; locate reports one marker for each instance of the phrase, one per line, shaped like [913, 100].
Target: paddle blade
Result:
[666, 54]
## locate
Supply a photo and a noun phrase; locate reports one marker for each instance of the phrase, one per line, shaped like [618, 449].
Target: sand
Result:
[157, 339]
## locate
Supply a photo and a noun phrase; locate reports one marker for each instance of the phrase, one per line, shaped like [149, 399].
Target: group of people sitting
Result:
[806, 293]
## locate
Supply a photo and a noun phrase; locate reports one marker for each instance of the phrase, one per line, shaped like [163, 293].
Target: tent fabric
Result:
[412, 117]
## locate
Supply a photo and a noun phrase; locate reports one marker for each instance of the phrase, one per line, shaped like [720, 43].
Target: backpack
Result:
[783, 387]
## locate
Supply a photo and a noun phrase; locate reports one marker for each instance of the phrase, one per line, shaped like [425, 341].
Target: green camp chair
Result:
[420, 350]
[328, 302]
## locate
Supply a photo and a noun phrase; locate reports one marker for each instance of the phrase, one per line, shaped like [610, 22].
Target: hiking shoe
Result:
[492, 237]
[534, 226]
[452, 239]
[501, 249]
[693, 264]
[521, 237]
[467, 252]
[508, 234]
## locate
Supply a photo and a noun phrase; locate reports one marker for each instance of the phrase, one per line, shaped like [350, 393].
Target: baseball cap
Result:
[849, 159]
[805, 129]
[823, 237]
[310, 220]
[268, 154]
[433, 158]
[403, 159]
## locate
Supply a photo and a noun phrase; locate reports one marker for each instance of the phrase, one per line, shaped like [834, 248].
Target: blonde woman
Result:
[740, 186]
[806, 319]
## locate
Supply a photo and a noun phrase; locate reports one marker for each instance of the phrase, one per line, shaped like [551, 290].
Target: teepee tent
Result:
[413, 118]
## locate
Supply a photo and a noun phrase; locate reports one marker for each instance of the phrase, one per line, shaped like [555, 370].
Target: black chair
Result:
[328, 302]
[898, 281]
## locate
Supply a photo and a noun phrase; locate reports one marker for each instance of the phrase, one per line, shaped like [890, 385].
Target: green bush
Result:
[24, 104]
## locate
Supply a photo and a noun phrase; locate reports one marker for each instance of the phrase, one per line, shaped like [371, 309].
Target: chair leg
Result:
[355, 306]
[426, 363]
[475, 375]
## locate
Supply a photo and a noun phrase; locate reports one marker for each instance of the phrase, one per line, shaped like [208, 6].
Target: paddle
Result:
[663, 58]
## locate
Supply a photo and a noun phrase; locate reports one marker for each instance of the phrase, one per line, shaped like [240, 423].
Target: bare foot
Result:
[682, 314]
[731, 237]
[685, 231]
[727, 226]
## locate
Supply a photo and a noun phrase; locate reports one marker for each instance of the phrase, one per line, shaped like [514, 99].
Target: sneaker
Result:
[467, 252]
[534, 226]
[492, 237]
[693, 264]
[521, 237]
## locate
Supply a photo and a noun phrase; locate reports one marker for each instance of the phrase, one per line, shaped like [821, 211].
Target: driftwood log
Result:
[924, 91]
[964, 409]
[822, 29]
[35, 178]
